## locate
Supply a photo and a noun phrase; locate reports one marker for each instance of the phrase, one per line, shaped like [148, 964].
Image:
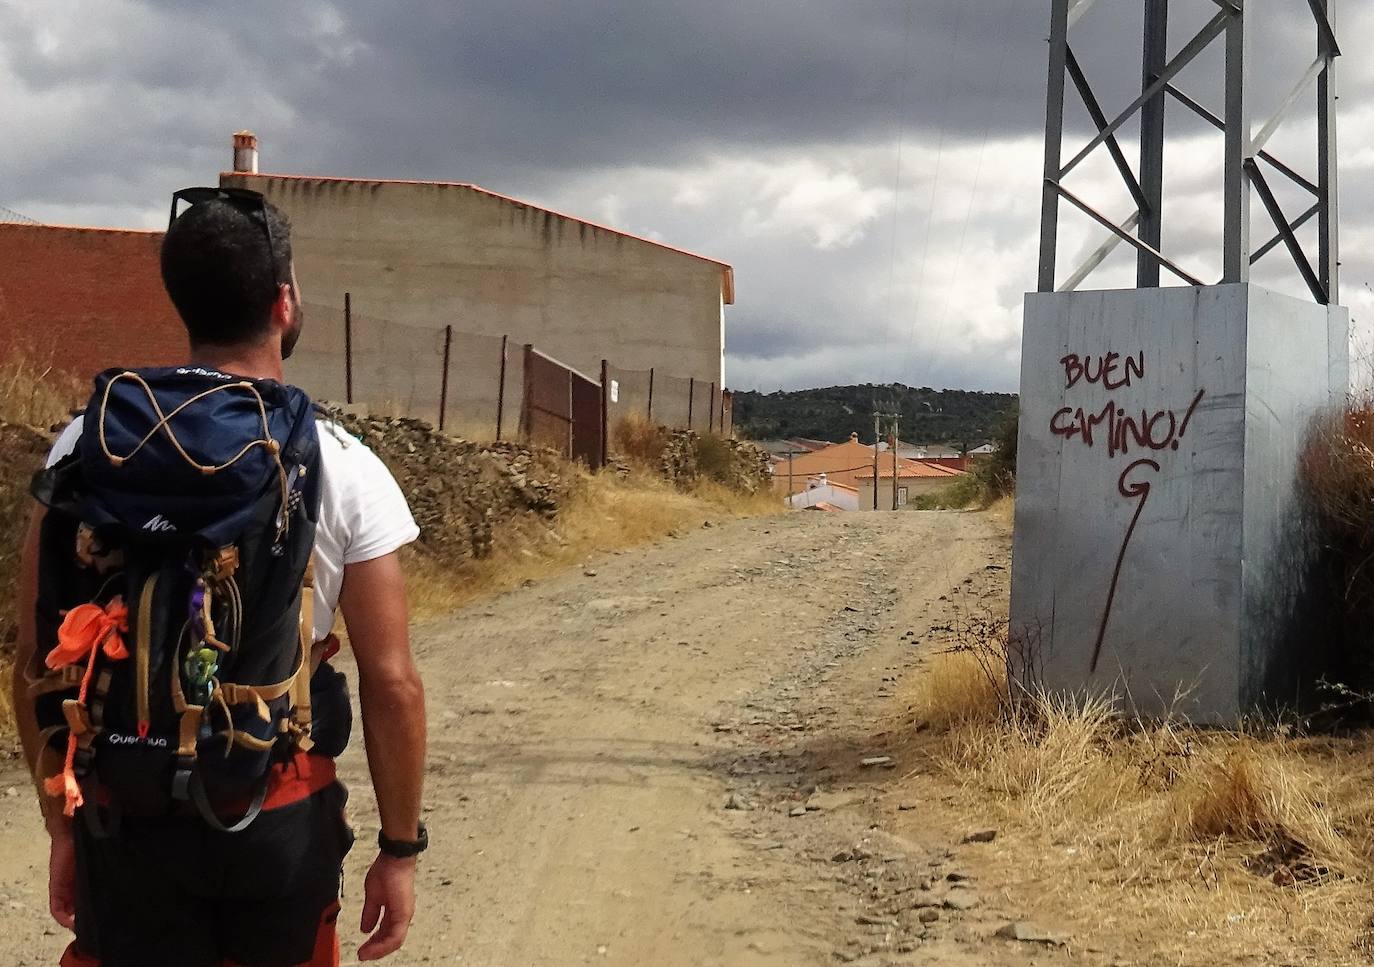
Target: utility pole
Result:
[877, 437]
[896, 438]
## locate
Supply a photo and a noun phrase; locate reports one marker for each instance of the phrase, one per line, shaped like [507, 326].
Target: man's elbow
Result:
[392, 689]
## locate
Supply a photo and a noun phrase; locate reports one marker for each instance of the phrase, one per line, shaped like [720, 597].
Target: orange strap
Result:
[86, 632]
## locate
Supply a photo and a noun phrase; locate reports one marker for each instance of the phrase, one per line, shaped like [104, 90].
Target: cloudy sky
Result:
[870, 167]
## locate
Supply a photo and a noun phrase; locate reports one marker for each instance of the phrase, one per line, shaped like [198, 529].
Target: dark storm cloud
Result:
[477, 89]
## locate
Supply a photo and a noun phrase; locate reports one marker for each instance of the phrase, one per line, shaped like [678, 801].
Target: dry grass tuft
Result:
[1199, 837]
[955, 692]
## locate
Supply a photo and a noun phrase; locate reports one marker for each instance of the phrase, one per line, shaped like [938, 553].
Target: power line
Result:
[935, 184]
[904, 90]
[977, 179]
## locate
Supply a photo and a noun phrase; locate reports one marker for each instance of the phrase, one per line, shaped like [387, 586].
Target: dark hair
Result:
[218, 272]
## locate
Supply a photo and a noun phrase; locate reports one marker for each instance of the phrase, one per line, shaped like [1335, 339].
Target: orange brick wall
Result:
[85, 299]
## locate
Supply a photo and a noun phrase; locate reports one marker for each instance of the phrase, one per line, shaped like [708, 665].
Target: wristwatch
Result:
[401, 849]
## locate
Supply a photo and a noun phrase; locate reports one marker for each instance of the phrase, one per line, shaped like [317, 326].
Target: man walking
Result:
[170, 886]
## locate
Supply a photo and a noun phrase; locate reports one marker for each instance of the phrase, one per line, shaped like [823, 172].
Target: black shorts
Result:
[174, 891]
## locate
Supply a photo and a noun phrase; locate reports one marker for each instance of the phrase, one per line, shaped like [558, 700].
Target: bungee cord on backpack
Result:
[164, 424]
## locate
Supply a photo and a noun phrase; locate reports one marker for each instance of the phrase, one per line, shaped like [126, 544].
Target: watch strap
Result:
[404, 849]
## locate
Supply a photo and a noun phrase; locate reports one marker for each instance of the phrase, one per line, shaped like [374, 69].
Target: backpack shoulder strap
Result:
[301, 717]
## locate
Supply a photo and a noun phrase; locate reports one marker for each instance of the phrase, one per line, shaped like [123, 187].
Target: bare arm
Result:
[373, 602]
[61, 853]
[25, 647]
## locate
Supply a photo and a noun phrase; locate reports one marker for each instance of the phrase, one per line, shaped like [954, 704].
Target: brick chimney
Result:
[246, 152]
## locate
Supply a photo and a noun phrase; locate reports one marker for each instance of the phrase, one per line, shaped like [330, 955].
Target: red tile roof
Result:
[908, 469]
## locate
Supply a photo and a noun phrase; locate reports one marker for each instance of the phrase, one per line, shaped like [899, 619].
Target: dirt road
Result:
[655, 760]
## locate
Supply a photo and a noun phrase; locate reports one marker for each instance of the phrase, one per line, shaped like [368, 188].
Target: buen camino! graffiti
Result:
[1118, 432]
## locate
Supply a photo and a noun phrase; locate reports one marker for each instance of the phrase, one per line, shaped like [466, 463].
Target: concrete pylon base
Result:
[1162, 551]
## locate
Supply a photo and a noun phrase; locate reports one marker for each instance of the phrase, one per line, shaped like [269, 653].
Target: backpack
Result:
[175, 606]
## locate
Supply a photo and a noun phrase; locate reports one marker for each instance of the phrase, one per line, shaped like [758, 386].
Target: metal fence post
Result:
[691, 398]
[711, 413]
[605, 411]
[348, 347]
[527, 411]
[501, 389]
[443, 383]
[572, 416]
[651, 394]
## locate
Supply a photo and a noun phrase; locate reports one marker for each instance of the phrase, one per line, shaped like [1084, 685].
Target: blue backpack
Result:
[175, 602]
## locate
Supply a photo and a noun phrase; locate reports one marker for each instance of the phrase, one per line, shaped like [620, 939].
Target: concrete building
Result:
[432, 254]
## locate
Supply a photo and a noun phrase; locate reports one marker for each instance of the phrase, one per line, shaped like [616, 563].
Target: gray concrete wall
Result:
[428, 255]
[1145, 549]
[1295, 348]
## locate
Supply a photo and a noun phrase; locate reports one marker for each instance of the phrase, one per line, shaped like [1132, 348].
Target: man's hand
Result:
[388, 897]
[62, 877]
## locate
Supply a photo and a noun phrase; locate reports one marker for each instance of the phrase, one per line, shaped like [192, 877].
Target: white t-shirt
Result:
[363, 514]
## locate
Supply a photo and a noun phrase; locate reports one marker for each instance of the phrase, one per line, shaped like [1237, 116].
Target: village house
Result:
[851, 465]
[841, 463]
[914, 478]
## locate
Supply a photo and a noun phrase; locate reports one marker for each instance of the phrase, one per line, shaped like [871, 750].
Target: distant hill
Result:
[955, 418]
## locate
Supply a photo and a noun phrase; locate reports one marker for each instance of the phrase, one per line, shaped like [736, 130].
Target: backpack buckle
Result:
[181, 778]
[81, 761]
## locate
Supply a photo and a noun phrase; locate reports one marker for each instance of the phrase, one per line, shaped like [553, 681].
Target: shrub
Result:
[639, 442]
[715, 458]
[987, 480]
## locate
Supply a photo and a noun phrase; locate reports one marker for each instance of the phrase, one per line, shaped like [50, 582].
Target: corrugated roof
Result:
[727, 271]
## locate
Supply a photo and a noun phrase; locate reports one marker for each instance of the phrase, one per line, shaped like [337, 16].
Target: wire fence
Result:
[659, 397]
[490, 387]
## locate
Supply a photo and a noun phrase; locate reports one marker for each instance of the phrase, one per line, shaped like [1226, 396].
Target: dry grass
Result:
[1202, 841]
[34, 394]
[605, 512]
[638, 441]
[31, 395]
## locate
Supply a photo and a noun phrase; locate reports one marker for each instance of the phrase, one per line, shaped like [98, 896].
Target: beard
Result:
[293, 335]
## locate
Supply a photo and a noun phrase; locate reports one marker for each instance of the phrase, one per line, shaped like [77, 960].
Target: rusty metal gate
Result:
[563, 409]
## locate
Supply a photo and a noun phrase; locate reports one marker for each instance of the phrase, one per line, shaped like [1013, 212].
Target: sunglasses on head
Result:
[246, 200]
